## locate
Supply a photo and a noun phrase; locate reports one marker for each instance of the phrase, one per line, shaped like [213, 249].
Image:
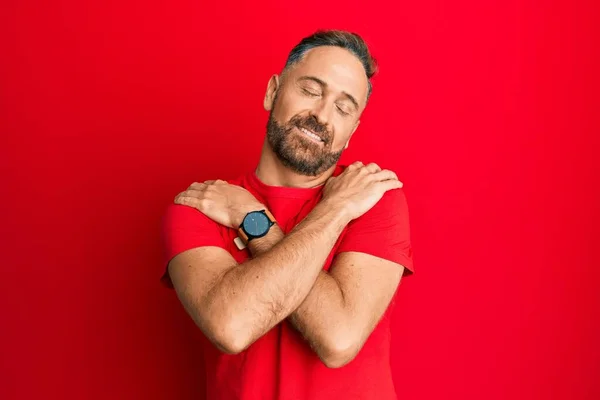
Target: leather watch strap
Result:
[270, 216]
[243, 235]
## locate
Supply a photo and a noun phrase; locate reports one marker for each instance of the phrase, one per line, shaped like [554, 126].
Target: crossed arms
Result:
[235, 304]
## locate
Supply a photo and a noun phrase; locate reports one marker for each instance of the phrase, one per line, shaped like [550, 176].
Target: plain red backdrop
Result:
[487, 111]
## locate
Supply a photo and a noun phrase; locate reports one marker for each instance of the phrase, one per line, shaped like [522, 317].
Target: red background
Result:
[487, 111]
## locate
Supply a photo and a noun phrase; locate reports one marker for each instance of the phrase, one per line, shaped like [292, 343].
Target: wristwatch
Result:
[256, 224]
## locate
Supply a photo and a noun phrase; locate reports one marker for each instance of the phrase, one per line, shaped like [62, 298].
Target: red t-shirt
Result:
[280, 365]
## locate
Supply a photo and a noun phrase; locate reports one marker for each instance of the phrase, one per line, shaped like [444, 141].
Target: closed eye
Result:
[342, 110]
[310, 93]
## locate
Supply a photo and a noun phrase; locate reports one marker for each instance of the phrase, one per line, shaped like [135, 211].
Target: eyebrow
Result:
[324, 85]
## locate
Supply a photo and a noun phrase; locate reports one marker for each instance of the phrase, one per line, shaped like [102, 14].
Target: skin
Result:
[344, 75]
[235, 304]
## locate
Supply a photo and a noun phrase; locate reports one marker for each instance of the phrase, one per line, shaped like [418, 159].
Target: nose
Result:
[322, 112]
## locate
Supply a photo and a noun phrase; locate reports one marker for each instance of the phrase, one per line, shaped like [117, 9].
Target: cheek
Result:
[287, 105]
[342, 134]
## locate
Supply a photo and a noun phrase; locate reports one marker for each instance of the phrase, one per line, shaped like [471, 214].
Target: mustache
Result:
[312, 125]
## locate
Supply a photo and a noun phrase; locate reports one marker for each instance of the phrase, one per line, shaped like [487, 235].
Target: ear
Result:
[352, 133]
[272, 87]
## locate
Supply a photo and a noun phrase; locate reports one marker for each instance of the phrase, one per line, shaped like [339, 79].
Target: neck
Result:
[272, 172]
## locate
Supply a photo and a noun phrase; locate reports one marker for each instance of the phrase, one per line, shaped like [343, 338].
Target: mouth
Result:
[311, 135]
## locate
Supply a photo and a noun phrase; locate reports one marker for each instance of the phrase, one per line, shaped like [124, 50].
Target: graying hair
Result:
[346, 40]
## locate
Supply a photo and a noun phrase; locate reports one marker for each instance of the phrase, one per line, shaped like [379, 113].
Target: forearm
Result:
[258, 294]
[322, 317]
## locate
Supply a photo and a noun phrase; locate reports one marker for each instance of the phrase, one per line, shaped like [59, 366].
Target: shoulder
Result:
[392, 207]
[383, 231]
[179, 218]
[393, 200]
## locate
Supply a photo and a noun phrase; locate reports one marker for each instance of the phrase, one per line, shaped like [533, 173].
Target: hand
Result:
[359, 188]
[223, 203]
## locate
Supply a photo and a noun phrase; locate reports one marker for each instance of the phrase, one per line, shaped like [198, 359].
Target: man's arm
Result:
[236, 304]
[344, 305]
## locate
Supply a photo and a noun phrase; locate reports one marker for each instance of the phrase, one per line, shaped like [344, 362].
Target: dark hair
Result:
[346, 40]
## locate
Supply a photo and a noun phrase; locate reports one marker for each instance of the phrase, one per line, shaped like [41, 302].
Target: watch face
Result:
[256, 224]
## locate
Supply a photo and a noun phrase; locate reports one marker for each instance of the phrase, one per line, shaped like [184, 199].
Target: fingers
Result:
[362, 169]
[193, 195]
[373, 168]
[196, 202]
[197, 192]
[192, 198]
[198, 186]
[389, 184]
[355, 165]
[202, 185]
[385, 175]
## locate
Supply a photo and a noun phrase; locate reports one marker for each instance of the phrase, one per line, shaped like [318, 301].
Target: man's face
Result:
[315, 109]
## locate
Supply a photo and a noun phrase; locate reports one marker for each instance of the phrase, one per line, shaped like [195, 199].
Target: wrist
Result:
[261, 245]
[335, 210]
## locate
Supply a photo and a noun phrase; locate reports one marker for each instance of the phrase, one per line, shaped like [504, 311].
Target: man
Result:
[289, 270]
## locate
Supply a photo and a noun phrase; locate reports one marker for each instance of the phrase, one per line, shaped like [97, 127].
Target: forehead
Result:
[339, 68]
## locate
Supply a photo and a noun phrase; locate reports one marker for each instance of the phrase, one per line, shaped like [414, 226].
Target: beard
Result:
[299, 153]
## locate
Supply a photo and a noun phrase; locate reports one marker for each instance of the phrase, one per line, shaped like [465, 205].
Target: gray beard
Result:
[299, 154]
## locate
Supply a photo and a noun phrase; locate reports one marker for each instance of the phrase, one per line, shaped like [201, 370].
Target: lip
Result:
[300, 131]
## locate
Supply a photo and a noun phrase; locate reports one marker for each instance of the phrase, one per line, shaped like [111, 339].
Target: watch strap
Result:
[242, 234]
[270, 216]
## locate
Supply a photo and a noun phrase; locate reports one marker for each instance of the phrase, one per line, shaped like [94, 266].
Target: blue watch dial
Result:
[256, 224]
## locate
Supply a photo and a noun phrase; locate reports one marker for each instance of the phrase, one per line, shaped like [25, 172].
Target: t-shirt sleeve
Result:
[185, 228]
[383, 231]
